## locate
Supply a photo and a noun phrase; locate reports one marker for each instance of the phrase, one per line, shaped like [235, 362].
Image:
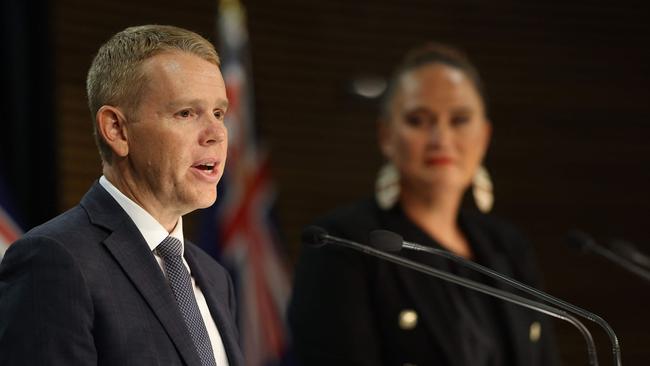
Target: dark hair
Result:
[430, 53]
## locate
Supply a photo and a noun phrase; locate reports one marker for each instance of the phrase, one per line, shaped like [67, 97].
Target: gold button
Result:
[535, 332]
[408, 319]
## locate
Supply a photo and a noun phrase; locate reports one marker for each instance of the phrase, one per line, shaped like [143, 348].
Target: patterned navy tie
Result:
[170, 251]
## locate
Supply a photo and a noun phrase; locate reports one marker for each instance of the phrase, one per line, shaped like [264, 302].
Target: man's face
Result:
[177, 138]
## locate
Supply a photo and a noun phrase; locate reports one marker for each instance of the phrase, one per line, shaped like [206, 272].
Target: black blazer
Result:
[85, 289]
[345, 308]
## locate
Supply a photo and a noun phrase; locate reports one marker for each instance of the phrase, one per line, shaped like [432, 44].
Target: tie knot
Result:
[170, 247]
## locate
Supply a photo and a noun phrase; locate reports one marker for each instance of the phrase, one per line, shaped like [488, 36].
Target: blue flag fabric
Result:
[239, 229]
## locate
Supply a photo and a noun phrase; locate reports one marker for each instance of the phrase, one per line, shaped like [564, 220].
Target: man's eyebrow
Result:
[182, 103]
[221, 103]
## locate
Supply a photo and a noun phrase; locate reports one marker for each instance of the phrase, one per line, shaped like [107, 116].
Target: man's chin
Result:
[198, 200]
[206, 200]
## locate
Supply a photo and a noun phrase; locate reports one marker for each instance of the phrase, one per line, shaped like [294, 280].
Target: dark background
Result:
[568, 94]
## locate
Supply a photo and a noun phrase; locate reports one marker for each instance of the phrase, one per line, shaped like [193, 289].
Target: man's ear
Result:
[111, 126]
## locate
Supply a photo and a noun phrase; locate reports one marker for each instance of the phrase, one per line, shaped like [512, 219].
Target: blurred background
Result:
[568, 87]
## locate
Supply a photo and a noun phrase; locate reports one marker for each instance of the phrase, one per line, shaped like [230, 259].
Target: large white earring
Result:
[387, 186]
[483, 190]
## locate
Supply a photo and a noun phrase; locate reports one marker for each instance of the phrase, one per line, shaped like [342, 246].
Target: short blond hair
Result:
[115, 76]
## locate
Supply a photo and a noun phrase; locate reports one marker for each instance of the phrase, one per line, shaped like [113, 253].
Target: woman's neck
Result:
[437, 214]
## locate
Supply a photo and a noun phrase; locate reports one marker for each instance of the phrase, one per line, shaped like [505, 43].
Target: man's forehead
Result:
[218, 103]
[178, 61]
[183, 73]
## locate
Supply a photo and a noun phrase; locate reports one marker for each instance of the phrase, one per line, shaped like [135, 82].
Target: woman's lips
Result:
[439, 160]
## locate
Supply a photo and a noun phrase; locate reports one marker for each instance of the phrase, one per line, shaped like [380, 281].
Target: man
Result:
[110, 282]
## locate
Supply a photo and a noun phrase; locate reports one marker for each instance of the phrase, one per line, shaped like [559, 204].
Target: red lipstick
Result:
[438, 160]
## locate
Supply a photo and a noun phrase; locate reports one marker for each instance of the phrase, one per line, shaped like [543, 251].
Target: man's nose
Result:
[215, 131]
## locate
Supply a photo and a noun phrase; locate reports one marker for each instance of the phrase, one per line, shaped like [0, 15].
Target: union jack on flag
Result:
[247, 240]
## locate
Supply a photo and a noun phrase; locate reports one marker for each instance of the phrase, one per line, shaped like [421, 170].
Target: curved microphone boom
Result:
[630, 251]
[390, 241]
[317, 237]
[583, 241]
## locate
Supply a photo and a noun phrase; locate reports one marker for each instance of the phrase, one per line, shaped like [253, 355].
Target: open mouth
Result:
[207, 167]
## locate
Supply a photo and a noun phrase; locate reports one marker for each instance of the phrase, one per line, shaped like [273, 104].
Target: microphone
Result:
[390, 241]
[584, 242]
[317, 237]
[630, 251]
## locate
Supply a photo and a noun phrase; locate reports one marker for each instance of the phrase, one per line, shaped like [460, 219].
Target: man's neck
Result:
[142, 197]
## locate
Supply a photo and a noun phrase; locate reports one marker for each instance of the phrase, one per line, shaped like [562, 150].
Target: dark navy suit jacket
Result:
[85, 289]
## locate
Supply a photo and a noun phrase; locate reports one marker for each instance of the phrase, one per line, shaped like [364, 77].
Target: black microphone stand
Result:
[628, 250]
[318, 237]
[383, 235]
[585, 242]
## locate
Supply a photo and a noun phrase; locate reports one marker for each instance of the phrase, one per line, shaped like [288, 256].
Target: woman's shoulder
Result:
[509, 241]
[491, 222]
[358, 217]
[501, 231]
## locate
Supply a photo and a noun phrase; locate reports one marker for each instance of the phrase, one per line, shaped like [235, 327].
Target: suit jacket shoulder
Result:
[506, 240]
[97, 295]
[46, 306]
[352, 221]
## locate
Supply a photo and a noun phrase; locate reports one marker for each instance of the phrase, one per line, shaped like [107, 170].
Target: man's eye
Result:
[219, 114]
[184, 113]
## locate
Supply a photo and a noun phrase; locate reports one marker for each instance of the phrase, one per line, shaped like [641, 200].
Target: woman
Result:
[351, 309]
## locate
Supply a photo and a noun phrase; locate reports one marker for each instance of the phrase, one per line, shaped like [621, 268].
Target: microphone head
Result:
[385, 240]
[314, 236]
[580, 240]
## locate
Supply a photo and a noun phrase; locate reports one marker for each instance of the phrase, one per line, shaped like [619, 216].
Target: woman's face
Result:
[437, 134]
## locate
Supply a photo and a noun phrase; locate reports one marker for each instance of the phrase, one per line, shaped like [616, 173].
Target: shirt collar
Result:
[152, 231]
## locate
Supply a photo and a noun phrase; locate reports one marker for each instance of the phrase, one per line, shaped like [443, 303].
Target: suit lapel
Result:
[129, 249]
[514, 315]
[434, 320]
[434, 317]
[218, 309]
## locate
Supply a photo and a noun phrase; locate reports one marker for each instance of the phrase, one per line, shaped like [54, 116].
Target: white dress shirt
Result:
[154, 233]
